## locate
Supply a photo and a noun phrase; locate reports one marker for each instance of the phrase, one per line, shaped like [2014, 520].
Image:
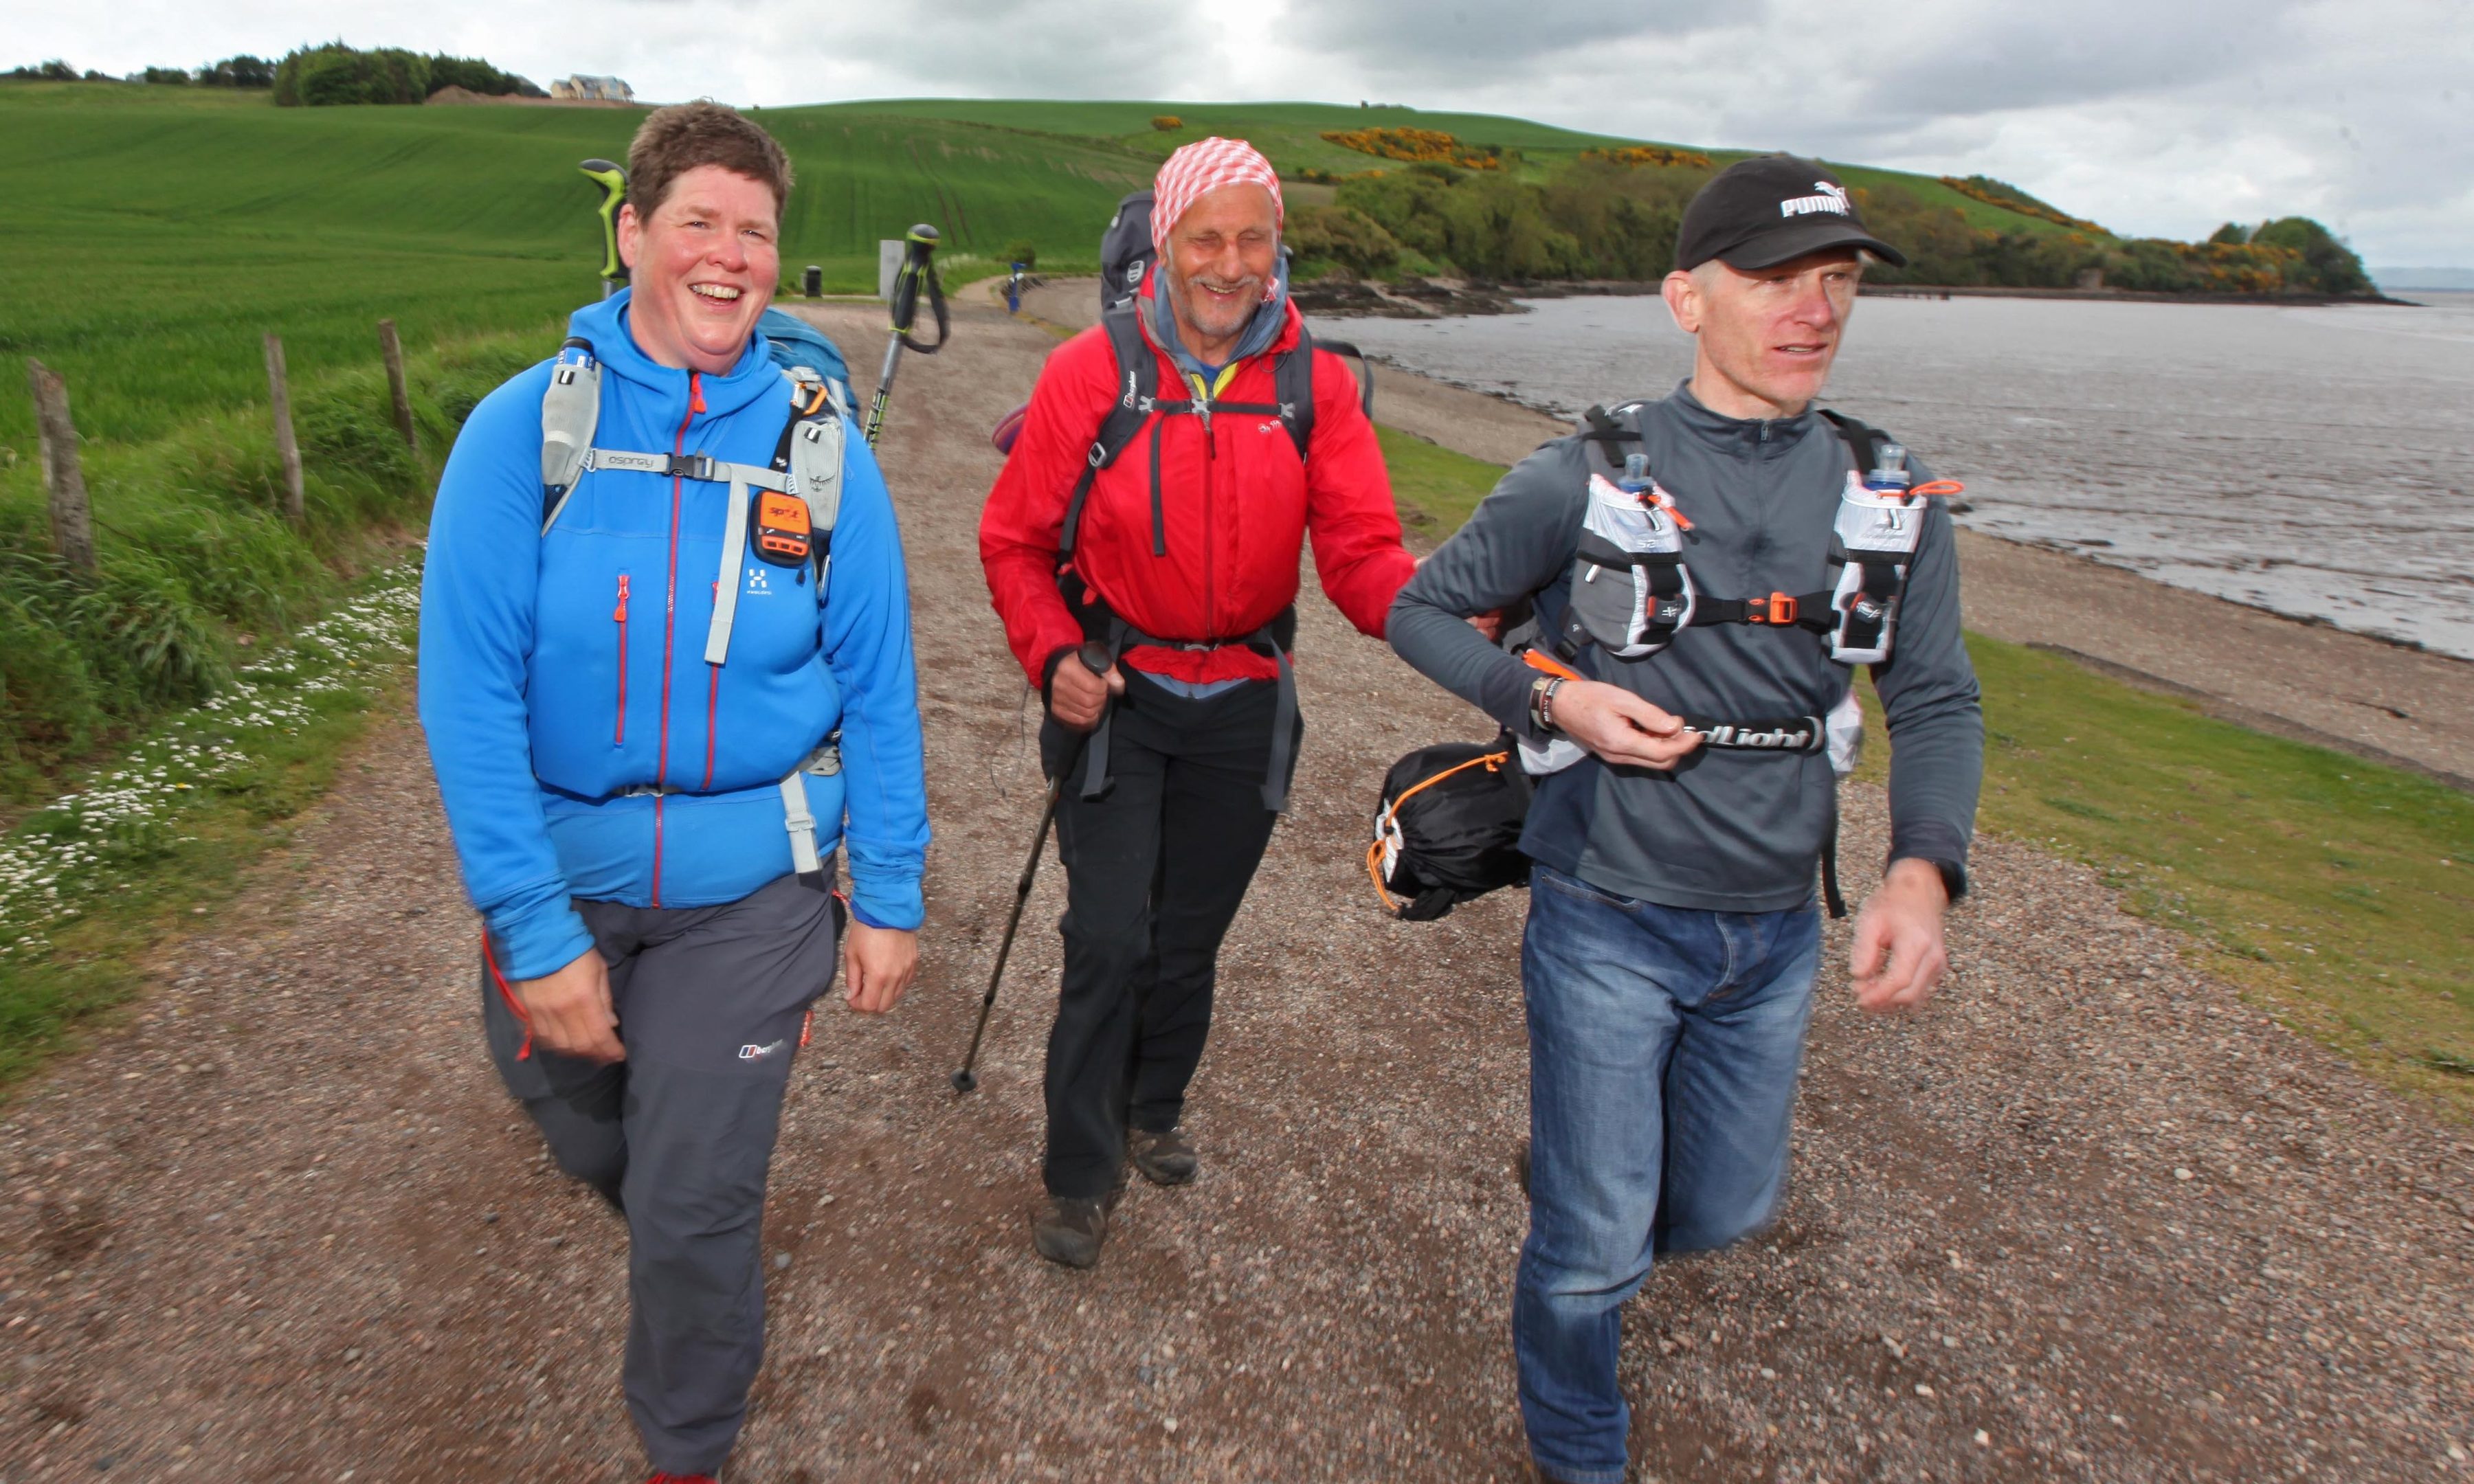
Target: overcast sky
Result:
[2154, 117]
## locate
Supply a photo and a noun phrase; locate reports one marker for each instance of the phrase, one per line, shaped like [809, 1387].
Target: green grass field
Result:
[1290, 134]
[154, 231]
[2335, 889]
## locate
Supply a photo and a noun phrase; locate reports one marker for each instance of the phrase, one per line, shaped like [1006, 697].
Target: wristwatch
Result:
[1541, 702]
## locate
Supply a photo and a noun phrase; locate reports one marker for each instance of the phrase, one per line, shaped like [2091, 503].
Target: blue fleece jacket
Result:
[559, 673]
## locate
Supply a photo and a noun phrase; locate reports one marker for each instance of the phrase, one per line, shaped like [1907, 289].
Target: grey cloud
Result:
[1411, 39]
[2161, 116]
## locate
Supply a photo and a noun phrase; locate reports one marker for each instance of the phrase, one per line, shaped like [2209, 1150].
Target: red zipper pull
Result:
[696, 393]
[621, 615]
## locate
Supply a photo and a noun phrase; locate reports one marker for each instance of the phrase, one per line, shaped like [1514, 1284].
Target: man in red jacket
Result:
[1181, 557]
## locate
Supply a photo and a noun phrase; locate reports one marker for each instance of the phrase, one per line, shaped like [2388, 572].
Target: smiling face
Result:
[1766, 337]
[703, 264]
[1219, 256]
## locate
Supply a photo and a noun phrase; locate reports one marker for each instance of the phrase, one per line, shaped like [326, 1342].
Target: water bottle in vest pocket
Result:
[1631, 590]
[1876, 531]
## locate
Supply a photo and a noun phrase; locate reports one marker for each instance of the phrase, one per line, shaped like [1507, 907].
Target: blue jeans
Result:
[1664, 1045]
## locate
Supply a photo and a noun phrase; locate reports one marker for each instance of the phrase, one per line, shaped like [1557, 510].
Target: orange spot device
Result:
[783, 536]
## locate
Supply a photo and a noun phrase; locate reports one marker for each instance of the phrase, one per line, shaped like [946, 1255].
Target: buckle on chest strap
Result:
[1780, 608]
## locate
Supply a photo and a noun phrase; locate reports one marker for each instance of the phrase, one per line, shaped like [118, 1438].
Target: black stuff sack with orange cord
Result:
[1447, 828]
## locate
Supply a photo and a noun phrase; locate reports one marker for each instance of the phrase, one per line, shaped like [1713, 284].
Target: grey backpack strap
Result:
[571, 414]
[807, 463]
[817, 442]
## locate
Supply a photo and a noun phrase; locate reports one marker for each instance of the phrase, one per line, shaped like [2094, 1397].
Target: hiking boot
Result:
[1162, 1155]
[1071, 1229]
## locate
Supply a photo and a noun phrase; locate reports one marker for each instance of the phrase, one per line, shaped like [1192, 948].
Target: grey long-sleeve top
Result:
[1734, 831]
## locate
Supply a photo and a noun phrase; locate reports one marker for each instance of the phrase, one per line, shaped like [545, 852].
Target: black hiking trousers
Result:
[713, 1004]
[1155, 871]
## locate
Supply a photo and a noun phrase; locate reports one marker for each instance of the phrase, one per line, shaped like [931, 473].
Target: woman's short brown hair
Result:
[674, 140]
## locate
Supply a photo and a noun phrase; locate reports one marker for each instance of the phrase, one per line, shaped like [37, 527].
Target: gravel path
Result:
[2088, 1217]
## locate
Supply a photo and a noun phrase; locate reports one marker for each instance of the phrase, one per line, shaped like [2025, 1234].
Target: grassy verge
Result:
[1435, 488]
[2339, 890]
[2333, 889]
[198, 568]
[90, 883]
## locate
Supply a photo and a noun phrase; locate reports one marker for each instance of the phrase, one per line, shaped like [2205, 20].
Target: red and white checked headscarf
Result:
[1206, 165]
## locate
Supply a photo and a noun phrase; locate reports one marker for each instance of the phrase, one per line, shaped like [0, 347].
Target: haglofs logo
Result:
[1831, 199]
[756, 582]
[753, 1053]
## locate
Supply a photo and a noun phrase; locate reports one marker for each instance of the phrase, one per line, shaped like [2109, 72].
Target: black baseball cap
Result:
[1760, 212]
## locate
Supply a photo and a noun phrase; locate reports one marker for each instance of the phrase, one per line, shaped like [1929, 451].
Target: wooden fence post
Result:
[279, 393]
[393, 349]
[64, 477]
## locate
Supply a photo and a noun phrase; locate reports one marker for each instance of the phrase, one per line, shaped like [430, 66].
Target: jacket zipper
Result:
[618, 618]
[1210, 460]
[712, 707]
[671, 623]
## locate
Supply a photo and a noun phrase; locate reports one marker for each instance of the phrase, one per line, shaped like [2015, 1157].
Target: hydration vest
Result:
[784, 511]
[1640, 534]
[1136, 406]
[1631, 591]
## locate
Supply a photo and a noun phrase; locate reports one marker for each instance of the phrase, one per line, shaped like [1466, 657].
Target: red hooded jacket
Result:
[1236, 505]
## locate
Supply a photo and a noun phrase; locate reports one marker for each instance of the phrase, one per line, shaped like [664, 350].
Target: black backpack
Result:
[1447, 828]
[1126, 250]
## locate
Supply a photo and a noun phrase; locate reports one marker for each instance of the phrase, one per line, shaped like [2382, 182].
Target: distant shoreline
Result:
[1435, 298]
[2135, 296]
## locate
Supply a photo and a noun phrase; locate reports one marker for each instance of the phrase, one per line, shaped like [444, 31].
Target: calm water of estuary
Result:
[2318, 462]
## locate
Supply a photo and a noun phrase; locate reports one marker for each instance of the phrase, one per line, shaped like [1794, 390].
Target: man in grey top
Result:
[1709, 567]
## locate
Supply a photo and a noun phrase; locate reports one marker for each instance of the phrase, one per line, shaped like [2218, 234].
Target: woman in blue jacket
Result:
[648, 767]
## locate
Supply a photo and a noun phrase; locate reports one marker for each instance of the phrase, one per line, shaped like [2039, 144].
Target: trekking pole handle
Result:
[611, 177]
[918, 244]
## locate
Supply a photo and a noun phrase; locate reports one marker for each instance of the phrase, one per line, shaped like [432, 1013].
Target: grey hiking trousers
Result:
[712, 1004]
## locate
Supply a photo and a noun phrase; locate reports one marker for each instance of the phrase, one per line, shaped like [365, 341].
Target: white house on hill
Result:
[583, 88]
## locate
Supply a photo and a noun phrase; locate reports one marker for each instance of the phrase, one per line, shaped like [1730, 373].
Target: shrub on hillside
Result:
[2327, 265]
[1624, 219]
[337, 74]
[1487, 224]
[176, 77]
[1343, 237]
[1638, 156]
[1417, 146]
[242, 71]
[2008, 197]
[1166, 123]
[1022, 250]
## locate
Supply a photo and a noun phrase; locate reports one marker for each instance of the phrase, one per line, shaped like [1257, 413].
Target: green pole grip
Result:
[613, 181]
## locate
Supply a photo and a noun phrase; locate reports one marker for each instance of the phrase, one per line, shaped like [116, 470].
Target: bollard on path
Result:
[278, 391]
[64, 476]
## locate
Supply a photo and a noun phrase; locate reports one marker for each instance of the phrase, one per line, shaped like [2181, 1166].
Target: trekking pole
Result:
[919, 247]
[613, 181]
[1093, 656]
